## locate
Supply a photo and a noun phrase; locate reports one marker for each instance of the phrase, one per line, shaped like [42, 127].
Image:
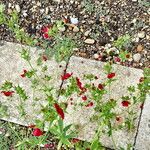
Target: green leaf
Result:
[67, 128]
[60, 125]
[95, 144]
[6, 85]
[2, 8]
[122, 41]
[21, 92]
[25, 54]
[107, 68]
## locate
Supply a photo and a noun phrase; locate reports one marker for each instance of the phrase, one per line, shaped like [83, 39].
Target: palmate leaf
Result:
[60, 125]
[67, 128]
[54, 130]
[95, 144]
[6, 85]
[21, 92]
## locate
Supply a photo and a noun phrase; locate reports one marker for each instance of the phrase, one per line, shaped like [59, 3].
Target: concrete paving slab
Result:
[143, 137]
[11, 67]
[81, 115]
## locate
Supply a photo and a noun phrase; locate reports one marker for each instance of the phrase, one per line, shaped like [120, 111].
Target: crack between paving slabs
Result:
[65, 70]
[137, 131]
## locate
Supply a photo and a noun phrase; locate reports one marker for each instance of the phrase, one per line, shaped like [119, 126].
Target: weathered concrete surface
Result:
[11, 67]
[81, 115]
[143, 137]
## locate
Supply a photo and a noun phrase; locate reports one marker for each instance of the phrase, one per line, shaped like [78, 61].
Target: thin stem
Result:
[112, 138]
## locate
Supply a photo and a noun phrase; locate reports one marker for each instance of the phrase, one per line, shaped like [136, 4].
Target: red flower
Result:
[44, 58]
[141, 79]
[100, 86]
[37, 132]
[84, 98]
[66, 76]
[59, 111]
[74, 140]
[45, 35]
[24, 73]
[117, 59]
[79, 84]
[142, 105]
[32, 126]
[51, 145]
[118, 119]
[45, 30]
[89, 104]
[110, 75]
[7, 93]
[96, 77]
[125, 103]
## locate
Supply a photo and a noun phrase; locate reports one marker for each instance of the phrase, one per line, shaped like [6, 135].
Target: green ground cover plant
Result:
[61, 48]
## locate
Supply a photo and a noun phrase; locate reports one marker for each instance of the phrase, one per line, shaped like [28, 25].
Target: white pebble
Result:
[17, 8]
[75, 29]
[141, 34]
[137, 57]
[96, 56]
[74, 20]
[89, 41]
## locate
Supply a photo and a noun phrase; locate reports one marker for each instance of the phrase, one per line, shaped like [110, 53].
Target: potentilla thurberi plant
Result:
[91, 96]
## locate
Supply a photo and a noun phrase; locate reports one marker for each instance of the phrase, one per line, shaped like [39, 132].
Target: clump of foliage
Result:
[91, 95]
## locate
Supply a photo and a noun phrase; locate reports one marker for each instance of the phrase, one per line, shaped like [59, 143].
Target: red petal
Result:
[100, 86]
[44, 29]
[118, 118]
[141, 79]
[24, 73]
[7, 93]
[90, 104]
[59, 111]
[32, 126]
[37, 132]
[125, 103]
[117, 59]
[84, 98]
[75, 140]
[111, 75]
[45, 35]
[51, 145]
[142, 105]
[79, 84]
[44, 58]
[66, 76]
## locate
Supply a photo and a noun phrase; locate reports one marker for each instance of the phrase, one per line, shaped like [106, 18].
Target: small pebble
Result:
[87, 33]
[137, 57]
[89, 41]
[139, 48]
[141, 34]
[96, 56]
[148, 11]
[75, 29]
[62, 29]
[74, 20]
[17, 8]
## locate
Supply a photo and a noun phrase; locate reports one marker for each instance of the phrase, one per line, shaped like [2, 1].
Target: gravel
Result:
[137, 57]
[101, 21]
